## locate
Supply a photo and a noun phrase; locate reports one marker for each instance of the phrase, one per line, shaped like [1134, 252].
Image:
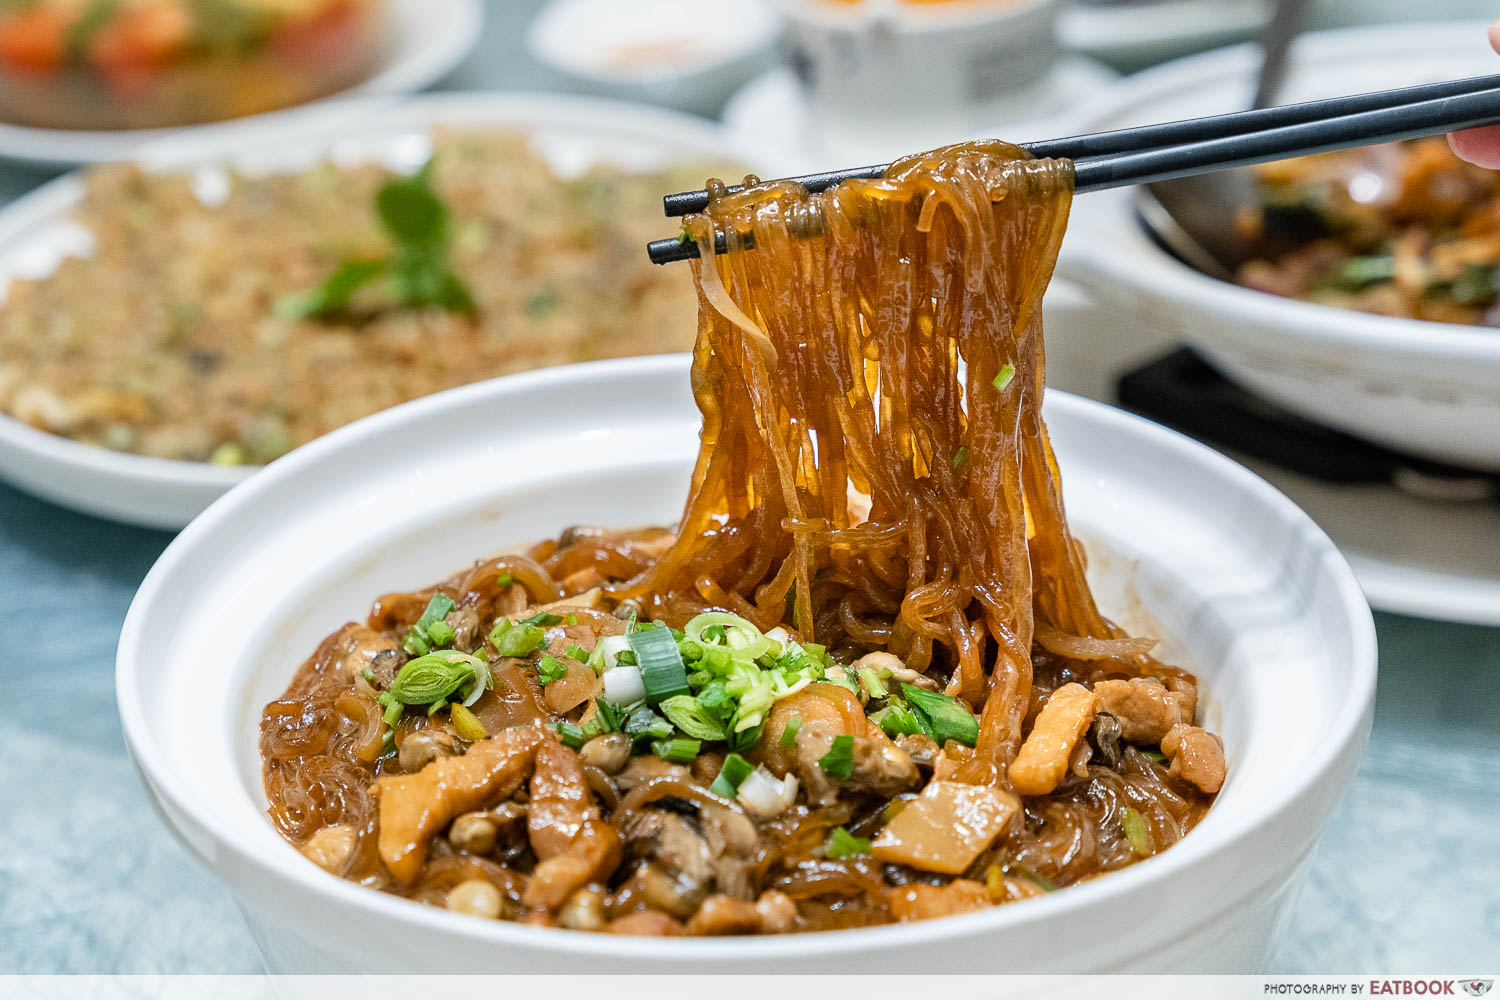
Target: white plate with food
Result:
[172, 356]
[1356, 358]
[865, 680]
[1413, 555]
[154, 69]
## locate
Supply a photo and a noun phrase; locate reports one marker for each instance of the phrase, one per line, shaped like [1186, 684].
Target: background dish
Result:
[1425, 388]
[1431, 558]
[428, 38]
[570, 132]
[1268, 589]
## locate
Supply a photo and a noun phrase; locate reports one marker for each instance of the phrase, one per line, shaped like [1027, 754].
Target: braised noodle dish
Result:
[862, 681]
[1402, 229]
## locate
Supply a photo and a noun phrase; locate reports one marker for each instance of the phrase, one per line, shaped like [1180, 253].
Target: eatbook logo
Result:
[1477, 987]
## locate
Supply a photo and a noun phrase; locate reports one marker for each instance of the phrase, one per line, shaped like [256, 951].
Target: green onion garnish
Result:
[843, 844]
[1156, 755]
[873, 685]
[549, 670]
[1004, 375]
[1136, 832]
[942, 716]
[516, 638]
[643, 723]
[678, 751]
[432, 677]
[897, 720]
[576, 652]
[506, 579]
[368, 675]
[789, 734]
[421, 639]
[734, 772]
[689, 715]
[960, 457]
[838, 762]
[662, 670]
[542, 618]
[571, 735]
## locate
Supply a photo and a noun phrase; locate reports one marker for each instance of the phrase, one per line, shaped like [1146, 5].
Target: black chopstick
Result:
[1145, 137]
[1178, 149]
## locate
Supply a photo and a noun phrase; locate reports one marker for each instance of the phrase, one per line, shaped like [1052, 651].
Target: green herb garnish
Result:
[1004, 375]
[789, 734]
[516, 638]
[843, 844]
[733, 774]
[549, 670]
[838, 762]
[678, 751]
[414, 275]
[941, 716]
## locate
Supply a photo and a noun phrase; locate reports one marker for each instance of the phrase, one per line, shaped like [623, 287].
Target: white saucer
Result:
[1138, 34]
[1431, 559]
[771, 112]
[428, 39]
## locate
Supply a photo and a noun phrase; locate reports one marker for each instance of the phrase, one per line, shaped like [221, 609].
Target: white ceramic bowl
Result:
[684, 54]
[1251, 593]
[37, 231]
[884, 66]
[1432, 389]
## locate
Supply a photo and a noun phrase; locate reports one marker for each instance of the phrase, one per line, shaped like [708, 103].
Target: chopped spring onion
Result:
[606, 654]
[393, 708]
[1156, 755]
[692, 718]
[549, 670]
[960, 457]
[1136, 831]
[678, 751]
[871, 682]
[943, 717]
[440, 634]
[733, 774]
[789, 734]
[545, 618]
[516, 638]
[623, 686]
[1041, 882]
[576, 652]
[766, 795]
[838, 762]
[1004, 375]
[607, 718]
[643, 723]
[506, 579]
[435, 676]
[739, 635]
[368, 675]
[746, 739]
[843, 844]
[662, 670]
[897, 720]
[571, 735]
[466, 724]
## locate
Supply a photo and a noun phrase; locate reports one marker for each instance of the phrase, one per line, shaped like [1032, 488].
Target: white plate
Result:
[35, 233]
[772, 109]
[428, 38]
[1428, 558]
[1258, 604]
[1137, 34]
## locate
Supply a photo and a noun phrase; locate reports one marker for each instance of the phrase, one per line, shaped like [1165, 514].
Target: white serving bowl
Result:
[684, 54]
[1182, 542]
[889, 69]
[1432, 389]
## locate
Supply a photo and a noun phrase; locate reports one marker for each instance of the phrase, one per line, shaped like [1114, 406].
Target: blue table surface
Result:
[1407, 878]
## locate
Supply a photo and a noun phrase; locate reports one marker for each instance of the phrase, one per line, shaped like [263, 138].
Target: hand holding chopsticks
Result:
[1153, 153]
